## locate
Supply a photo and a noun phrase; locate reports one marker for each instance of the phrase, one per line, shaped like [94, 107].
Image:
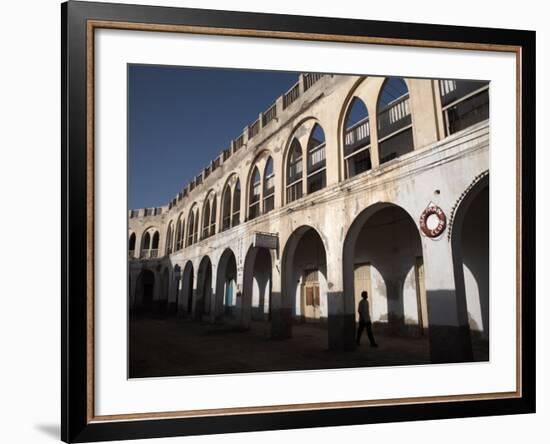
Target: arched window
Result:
[169, 238]
[155, 245]
[316, 163]
[254, 194]
[236, 217]
[145, 245]
[213, 217]
[180, 230]
[294, 172]
[192, 227]
[269, 186]
[395, 136]
[196, 227]
[464, 103]
[206, 220]
[226, 209]
[357, 139]
[132, 244]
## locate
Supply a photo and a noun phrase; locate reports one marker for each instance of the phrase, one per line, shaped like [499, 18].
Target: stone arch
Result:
[226, 207]
[155, 242]
[353, 92]
[131, 244]
[146, 241]
[394, 119]
[226, 201]
[316, 165]
[253, 194]
[257, 282]
[356, 137]
[169, 238]
[268, 185]
[304, 286]
[382, 254]
[470, 248]
[226, 284]
[236, 209]
[204, 288]
[258, 164]
[187, 289]
[180, 232]
[145, 291]
[209, 215]
[193, 225]
[300, 133]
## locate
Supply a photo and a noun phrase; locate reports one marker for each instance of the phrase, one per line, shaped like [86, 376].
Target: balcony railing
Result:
[254, 129]
[131, 254]
[397, 115]
[291, 96]
[239, 142]
[270, 183]
[310, 79]
[149, 254]
[269, 115]
[316, 158]
[357, 135]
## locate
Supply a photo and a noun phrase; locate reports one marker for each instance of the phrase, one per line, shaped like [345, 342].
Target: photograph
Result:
[284, 221]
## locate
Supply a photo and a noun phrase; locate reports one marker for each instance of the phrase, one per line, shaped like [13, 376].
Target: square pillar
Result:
[449, 331]
[340, 305]
[281, 312]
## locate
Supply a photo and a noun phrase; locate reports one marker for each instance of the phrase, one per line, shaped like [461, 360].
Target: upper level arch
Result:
[131, 244]
[230, 202]
[180, 232]
[209, 215]
[394, 120]
[356, 138]
[304, 160]
[193, 225]
[150, 241]
[257, 186]
[169, 238]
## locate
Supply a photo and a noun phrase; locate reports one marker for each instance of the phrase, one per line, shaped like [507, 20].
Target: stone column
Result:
[157, 292]
[281, 312]
[423, 112]
[213, 302]
[341, 305]
[172, 292]
[279, 169]
[132, 290]
[374, 151]
[449, 332]
[333, 152]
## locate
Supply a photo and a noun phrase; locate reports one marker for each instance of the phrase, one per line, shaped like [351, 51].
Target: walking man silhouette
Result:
[364, 320]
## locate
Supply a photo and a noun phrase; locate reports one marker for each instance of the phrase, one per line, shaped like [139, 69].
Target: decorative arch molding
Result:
[477, 179]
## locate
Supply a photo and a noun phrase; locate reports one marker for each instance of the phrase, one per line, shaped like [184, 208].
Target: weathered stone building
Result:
[345, 184]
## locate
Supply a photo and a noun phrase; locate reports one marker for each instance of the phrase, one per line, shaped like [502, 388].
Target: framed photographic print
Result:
[276, 221]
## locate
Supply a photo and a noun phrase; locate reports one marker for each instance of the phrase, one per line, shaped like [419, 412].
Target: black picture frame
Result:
[76, 423]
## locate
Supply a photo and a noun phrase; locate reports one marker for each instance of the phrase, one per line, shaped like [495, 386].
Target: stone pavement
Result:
[167, 346]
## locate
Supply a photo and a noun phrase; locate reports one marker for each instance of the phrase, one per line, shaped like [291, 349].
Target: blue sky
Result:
[181, 118]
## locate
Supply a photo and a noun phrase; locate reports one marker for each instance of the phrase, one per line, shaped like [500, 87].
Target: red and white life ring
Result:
[441, 221]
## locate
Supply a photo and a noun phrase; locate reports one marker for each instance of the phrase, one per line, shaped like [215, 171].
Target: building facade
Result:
[345, 184]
